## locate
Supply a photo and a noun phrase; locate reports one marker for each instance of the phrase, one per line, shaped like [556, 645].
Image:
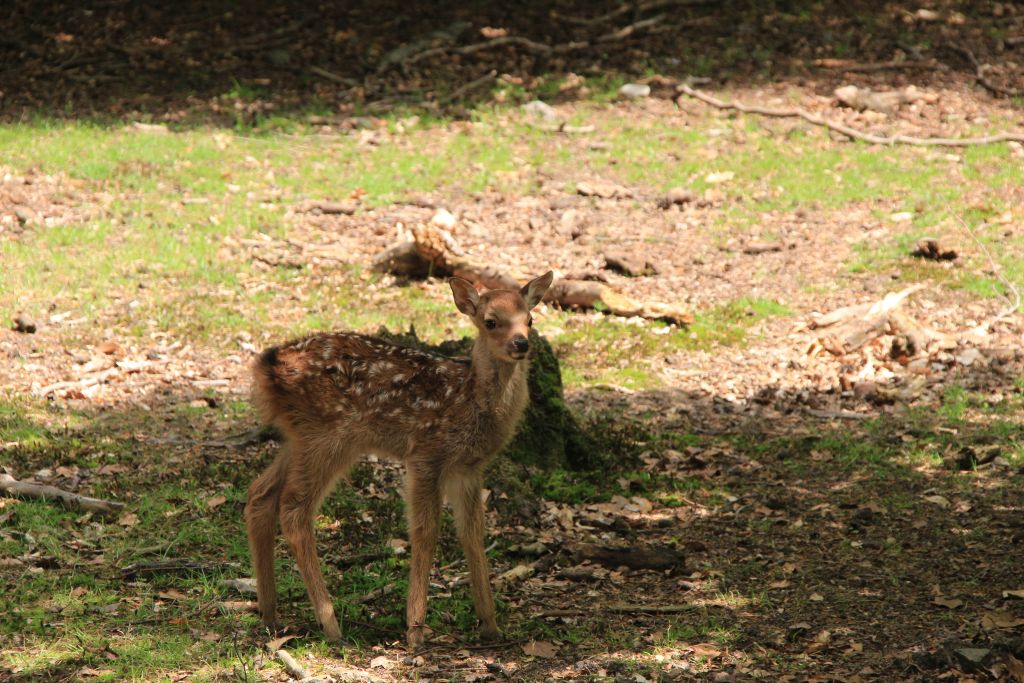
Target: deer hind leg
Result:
[311, 474]
[463, 494]
[261, 523]
[423, 499]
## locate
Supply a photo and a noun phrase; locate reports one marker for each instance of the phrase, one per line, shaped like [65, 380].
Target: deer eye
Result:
[529, 321]
[490, 323]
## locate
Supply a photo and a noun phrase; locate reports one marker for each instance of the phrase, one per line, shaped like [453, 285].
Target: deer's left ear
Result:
[533, 291]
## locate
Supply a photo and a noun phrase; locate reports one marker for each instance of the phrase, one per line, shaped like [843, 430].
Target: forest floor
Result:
[846, 511]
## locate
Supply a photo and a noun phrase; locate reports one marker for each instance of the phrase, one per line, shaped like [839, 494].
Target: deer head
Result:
[502, 316]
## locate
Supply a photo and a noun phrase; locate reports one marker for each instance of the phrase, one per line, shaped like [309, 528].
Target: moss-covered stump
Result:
[549, 435]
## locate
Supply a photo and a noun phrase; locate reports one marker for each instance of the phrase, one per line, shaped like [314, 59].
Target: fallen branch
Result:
[849, 132]
[859, 324]
[618, 609]
[21, 489]
[1014, 304]
[979, 73]
[164, 567]
[454, 95]
[858, 67]
[331, 76]
[634, 558]
[626, 9]
[432, 252]
[293, 668]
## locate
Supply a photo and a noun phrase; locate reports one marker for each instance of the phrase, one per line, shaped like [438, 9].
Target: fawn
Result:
[338, 396]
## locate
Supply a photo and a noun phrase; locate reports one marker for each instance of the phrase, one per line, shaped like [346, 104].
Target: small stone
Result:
[635, 90]
[541, 110]
[975, 656]
[677, 196]
[24, 324]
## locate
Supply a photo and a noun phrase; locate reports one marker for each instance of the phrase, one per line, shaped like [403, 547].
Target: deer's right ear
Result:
[466, 296]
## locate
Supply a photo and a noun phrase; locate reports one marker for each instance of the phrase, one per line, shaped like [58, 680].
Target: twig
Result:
[626, 9]
[331, 76]
[618, 609]
[380, 592]
[979, 73]
[21, 489]
[838, 414]
[856, 67]
[998, 272]
[469, 87]
[162, 567]
[849, 132]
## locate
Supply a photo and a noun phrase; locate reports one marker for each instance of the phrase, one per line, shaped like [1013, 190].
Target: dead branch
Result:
[857, 325]
[22, 489]
[838, 414]
[293, 668]
[849, 132]
[979, 73]
[454, 95]
[618, 609]
[431, 252]
[858, 67]
[626, 9]
[331, 76]
[634, 558]
[164, 567]
[533, 46]
[328, 207]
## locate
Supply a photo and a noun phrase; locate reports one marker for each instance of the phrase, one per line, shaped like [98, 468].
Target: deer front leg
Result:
[423, 497]
[467, 504]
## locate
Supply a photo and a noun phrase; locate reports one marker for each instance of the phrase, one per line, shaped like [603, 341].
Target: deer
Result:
[338, 396]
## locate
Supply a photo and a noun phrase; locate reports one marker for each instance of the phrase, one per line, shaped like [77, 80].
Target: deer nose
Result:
[522, 344]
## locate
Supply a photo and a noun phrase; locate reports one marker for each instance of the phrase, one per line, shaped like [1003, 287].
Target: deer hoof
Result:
[414, 636]
[490, 634]
[332, 631]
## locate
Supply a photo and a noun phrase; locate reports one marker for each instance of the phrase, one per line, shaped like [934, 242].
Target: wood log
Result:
[21, 489]
[431, 252]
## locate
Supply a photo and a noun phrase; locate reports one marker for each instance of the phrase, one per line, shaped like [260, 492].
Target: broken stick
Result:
[849, 132]
[22, 489]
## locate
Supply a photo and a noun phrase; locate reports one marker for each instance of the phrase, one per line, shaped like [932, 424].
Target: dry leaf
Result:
[215, 501]
[992, 621]
[172, 594]
[1015, 668]
[949, 603]
[275, 644]
[817, 597]
[1019, 593]
[540, 648]
[210, 636]
[779, 584]
[705, 650]
[941, 501]
[380, 662]
[128, 519]
[722, 177]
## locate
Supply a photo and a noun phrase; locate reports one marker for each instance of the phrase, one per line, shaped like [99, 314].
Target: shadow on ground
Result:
[243, 64]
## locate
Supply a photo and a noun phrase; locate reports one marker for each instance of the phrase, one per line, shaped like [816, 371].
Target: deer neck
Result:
[499, 386]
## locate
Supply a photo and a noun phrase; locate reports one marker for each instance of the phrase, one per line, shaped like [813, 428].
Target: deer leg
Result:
[309, 479]
[423, 497]
[467, 504]
[261, 523]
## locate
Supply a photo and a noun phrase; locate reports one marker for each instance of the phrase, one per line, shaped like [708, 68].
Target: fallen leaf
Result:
[172, 594]
[817, 597]
[275, 644]
[1019, 593]
[949, 603]
[380, 662]
[721, 177]
[211, 636]
[243, 585]
[215, 501]
[941, 501]
[779, 584]
[705, 650]
[128, 519]
[1015, 668]
[540, 648]
[992, 621]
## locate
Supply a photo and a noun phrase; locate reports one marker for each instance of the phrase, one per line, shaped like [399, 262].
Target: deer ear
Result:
[533, 291]
[466, 296]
